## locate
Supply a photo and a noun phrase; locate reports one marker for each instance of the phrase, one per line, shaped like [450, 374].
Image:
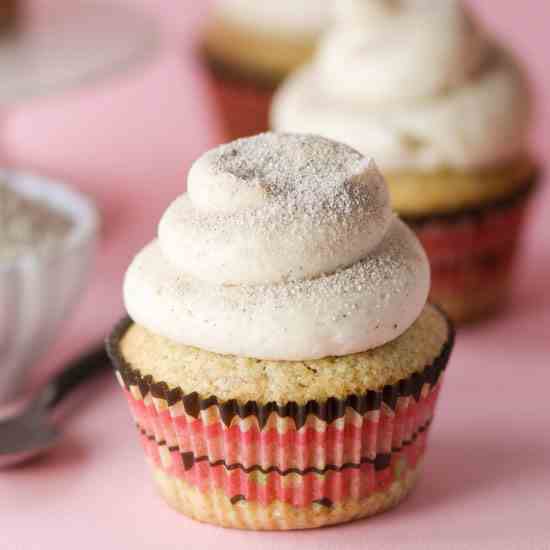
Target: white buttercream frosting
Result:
[284, 247]
[299, 19]
[414, 82]
[270, 210]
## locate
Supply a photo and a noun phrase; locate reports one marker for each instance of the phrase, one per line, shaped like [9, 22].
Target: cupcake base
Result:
[215, 507]
[472, 253]
[242, 102]
[283, 465]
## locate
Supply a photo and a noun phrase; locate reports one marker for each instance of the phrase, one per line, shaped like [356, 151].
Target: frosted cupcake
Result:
[249, 47]
[445, 112]
[281, 363]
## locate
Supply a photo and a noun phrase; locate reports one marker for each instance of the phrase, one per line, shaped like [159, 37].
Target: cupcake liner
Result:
[243, 102]
[472, 253]
[326, 455]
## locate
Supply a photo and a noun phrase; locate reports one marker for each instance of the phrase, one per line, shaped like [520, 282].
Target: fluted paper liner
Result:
[326, 455]
[472, 253]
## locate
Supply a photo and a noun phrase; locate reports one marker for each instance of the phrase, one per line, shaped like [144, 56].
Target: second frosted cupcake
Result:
[445, 112]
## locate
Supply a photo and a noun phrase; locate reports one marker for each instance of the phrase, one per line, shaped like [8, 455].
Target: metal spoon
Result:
[31, 432]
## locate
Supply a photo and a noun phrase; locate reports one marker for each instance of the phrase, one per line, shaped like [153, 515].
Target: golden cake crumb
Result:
[244, 379]
[424, 193]
[215, 507]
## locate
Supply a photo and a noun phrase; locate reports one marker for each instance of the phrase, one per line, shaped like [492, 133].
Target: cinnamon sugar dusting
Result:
[301, 175]
[28, 224]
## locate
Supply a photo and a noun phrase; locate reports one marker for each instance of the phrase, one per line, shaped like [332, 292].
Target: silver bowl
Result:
[38, 290]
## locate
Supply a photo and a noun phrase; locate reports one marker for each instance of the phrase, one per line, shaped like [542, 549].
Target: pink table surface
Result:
[128, 142]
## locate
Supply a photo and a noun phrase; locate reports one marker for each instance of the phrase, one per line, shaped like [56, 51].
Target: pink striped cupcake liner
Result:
[316, 454]
[472, 252]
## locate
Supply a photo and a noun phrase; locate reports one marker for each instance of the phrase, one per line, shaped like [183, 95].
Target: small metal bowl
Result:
[38, 289]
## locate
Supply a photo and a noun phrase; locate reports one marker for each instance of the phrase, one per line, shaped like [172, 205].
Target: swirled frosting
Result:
[290, 18]
[284, 247]
[415, 83]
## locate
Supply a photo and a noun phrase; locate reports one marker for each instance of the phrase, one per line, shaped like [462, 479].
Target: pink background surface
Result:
[128, 142]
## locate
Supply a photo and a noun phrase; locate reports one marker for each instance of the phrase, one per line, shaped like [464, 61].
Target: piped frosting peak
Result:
[400, 50]
[276, 208]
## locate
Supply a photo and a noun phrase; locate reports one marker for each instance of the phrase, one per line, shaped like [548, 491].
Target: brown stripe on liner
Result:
[466, 214]
[327, 411]
[163, 443]
[326, 502]
[380, 462]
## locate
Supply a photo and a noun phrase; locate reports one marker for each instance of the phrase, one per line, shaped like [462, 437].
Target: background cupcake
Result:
[445, 111]
[249, 47]
[282, 391]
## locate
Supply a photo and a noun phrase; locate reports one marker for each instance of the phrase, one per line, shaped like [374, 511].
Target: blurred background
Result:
[125, 129]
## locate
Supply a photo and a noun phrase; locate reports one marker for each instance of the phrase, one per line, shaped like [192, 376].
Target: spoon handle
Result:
[76, 372]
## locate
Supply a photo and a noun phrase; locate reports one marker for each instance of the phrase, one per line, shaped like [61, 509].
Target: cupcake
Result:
[249, 47]
[8, 15]
[445, 111]
[280, 360]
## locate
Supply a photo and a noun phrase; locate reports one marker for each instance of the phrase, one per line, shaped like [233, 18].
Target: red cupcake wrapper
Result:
[299, 455]
[328, 466]
[473, 251]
